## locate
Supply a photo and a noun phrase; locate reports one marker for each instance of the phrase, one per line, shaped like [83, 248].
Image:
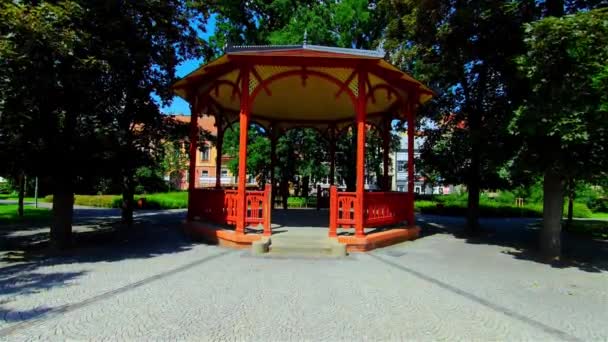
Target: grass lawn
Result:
[15, 197]
[488, 208]
[8, 214]
[168, 200]
[599, 215]
[165, 200]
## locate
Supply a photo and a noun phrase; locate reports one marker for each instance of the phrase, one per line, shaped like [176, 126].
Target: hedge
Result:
[169, 200]
[494, 209]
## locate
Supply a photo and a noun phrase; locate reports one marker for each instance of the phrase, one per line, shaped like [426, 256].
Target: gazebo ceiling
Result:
[304, 85]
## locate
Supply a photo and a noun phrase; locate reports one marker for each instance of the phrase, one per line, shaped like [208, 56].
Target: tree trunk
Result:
[128, 200]
[284, 192]
[571, 195]
[554, 8]
[63, 210]
[21, 194]
[553, 207]
[473, 187]
[305, 184]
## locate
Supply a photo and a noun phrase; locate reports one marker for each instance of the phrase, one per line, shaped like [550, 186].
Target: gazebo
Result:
[283, 87]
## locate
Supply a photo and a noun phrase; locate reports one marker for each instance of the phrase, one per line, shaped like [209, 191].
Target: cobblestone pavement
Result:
[156, 285]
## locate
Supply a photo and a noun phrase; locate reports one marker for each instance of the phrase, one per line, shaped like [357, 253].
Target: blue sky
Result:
[179, 106]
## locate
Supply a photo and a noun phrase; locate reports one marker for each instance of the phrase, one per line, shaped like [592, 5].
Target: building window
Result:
[401, 165]
[400, 188]
[224, 173]
[205, 153]
[417, 189]
[441, 190]
[205, 173]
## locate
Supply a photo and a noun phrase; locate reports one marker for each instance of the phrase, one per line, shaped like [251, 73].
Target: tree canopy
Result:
[563, 122]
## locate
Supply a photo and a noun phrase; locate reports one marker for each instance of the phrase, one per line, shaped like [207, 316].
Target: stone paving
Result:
[156, 285]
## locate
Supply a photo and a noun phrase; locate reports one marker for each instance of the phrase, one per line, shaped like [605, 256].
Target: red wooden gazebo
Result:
[282, 87]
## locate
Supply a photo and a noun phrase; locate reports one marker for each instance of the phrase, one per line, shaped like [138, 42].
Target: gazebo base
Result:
[215, 234]
[380, 239]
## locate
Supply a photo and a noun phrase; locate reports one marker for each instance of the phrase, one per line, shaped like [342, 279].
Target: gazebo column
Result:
[386, 134]
[360, 190]
[192, 154]
[243, 131]
[273, 164]
[219, 144]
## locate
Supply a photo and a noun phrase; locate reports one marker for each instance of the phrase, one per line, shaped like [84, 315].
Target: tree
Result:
[53, 93]
[464, 50]
[564, 120]
[258, 151]
[142, 42]
[77, 78]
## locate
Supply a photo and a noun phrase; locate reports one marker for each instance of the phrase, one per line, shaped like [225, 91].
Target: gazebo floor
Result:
[294, 221]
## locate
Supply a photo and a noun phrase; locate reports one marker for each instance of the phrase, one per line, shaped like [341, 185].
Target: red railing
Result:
[341, 210]
[386, 208]
[231, 201]
[221, 206]
[380, 209]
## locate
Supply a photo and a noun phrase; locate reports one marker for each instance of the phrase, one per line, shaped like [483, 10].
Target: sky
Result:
[179, 106]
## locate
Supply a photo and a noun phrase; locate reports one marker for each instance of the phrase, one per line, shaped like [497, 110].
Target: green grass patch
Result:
[599, 215]
[302, 202]
[457, 206]
[8, 214]
[166, 200]
[16, 197]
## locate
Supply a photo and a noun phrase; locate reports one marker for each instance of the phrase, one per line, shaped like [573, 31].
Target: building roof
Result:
[304, 85]
[206, 122]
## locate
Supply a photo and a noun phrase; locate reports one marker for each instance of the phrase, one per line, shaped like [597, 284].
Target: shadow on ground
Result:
[520, 235]
[25, 252]
[100, 238]
[304, 218]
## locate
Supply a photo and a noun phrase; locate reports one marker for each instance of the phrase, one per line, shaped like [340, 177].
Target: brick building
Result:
[205, 159]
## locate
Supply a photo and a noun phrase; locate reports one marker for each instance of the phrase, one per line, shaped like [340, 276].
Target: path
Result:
[156, 285]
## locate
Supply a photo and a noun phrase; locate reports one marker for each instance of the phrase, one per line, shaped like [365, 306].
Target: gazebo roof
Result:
[302, 85]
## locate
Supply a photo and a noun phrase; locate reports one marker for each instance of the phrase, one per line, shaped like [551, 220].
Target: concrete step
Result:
[302, 245]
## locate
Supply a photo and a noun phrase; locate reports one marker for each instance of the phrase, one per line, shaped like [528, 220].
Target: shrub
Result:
[296, 202]
[170, 200]
[103, 201]
[167, 200]
[6, 188]
[599, 205]
[578, 210]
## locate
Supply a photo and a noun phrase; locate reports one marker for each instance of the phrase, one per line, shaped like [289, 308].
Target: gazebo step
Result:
[302, 245]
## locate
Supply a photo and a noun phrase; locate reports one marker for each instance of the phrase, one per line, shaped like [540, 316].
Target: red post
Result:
[386, 134]
[267, 210]
[218, 150]
[410, 164]
[243, 129]
[333, 211]
[361, 113]
[273, 163]
[192, 154]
